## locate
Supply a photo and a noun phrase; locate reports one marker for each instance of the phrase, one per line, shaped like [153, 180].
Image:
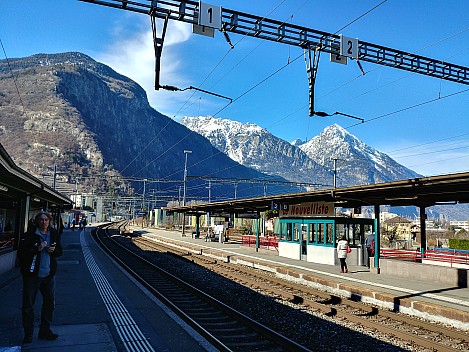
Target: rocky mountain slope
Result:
[255, 147]
[96, 126]
[356, 162]
[82, 116]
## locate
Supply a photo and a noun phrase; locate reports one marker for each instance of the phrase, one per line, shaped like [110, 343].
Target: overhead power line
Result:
[14, 77]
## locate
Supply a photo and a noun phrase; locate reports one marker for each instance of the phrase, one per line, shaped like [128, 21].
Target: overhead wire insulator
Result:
[227, 37]
[176, 89]
[171, 88]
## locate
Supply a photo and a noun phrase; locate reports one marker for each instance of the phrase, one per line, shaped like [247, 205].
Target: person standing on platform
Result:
[342, 250]
[370, 244]
[38, 252]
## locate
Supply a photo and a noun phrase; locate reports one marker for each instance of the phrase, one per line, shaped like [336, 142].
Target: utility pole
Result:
[186, 152]
[76, 192]
[55, 176]
[335, 172]
[143, 198]
[209, 200]
[143, 201]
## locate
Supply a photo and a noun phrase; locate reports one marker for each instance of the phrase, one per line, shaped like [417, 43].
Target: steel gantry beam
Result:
[287, 33]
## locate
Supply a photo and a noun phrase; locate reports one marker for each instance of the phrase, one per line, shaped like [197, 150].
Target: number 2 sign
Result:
[348, 47]
[209, 15]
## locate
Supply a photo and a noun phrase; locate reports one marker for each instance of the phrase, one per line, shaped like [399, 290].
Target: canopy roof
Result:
[16, 183]
[420, 192]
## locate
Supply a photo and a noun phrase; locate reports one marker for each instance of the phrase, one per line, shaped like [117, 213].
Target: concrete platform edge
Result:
[428, 311]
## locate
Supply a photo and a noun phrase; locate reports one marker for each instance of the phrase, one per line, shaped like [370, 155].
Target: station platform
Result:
[98, 308]
[437, 302]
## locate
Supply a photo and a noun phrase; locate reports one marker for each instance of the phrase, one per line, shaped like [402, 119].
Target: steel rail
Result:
[327, 307]
[193, 305]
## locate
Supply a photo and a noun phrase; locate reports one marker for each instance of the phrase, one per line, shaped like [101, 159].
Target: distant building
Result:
[460, 225]
[403, 229]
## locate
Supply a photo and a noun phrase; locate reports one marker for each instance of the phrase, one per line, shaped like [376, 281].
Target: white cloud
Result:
[133, 56]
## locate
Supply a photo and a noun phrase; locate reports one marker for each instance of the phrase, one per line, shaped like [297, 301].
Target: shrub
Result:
[458, 243]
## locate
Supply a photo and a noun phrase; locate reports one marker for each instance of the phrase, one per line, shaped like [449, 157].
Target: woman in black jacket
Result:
[37, 253]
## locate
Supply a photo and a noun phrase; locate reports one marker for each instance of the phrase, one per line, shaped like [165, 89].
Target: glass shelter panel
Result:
[320, 233]
[329, 233]
[311, 233]
[296, 232]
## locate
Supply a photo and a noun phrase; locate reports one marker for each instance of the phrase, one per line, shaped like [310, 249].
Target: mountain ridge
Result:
[87, 119]
[97, 125]
[361, 164]
[242, 142]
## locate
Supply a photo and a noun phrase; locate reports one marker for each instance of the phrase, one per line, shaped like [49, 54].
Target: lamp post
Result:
[143, 201]
[335, 172]
[186, 152]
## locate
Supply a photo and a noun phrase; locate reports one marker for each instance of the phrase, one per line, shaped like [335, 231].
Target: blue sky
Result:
[431, 139]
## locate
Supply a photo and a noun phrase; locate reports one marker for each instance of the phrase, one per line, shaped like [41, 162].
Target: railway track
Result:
[420, 334]
[224, 327]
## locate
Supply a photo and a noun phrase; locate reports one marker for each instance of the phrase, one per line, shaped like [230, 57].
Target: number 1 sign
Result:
[209, 15]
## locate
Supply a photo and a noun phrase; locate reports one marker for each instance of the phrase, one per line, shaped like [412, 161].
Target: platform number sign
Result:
[335, 55]
[348, 47]
[209, 15]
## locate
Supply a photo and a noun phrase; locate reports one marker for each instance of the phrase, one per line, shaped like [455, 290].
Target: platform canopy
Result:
[16, 183]
[420, 192]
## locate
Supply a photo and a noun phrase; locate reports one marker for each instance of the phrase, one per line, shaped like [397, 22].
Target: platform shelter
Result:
[21, 197]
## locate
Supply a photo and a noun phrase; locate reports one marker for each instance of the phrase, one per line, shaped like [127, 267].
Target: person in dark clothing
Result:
[38, 252]
[370, 247]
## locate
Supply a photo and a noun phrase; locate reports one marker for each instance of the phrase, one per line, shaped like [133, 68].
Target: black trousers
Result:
[370, 255]
[31, 286]
[343, 264]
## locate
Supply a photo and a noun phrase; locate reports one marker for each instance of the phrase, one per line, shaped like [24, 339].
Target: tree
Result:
[389, 234]
[269, 214]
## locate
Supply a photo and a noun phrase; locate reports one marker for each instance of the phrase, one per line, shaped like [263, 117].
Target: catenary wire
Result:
[427, 143]
[200, 85]
[410, 107]
[375, 69]
[219, 63]
[249, 90]
[278, 70]
[13, 76]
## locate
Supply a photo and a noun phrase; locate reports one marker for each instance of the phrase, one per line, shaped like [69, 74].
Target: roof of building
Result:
[397, 220]
[16, 182]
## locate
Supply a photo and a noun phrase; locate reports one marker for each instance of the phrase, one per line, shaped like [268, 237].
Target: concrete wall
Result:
[432, 273]
[289, 250]
[321, 255]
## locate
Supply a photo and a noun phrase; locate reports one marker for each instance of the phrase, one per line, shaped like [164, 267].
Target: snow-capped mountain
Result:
[356, 162]
[311, 162]
[297, 142]
[255, 147]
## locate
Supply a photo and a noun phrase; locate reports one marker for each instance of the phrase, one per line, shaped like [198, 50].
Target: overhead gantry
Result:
[207, 18]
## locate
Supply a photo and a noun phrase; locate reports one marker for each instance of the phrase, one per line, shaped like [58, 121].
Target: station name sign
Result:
[308, 209]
